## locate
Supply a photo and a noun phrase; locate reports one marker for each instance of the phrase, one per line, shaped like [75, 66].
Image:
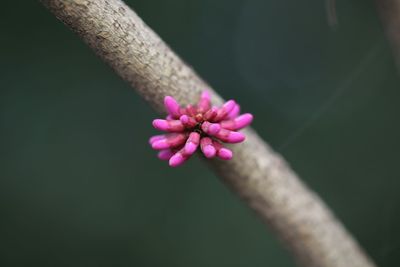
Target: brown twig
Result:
[257, 174]
[331, 15]
[390, 15]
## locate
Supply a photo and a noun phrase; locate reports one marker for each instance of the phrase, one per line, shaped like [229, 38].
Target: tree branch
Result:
[258, 175]
[390, 16]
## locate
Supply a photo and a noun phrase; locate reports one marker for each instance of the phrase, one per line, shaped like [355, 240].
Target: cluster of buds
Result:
[198, 125]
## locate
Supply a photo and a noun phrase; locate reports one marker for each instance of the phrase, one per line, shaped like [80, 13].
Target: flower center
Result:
[199, 117]
[198, 129]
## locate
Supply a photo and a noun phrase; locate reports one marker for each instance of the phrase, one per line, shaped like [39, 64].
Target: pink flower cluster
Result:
[198, 125]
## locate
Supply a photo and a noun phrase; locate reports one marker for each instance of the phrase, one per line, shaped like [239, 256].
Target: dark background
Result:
[80, 186]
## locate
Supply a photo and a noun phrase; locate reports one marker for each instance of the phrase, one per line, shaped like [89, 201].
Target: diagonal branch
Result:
[390, 16]
[262, 179]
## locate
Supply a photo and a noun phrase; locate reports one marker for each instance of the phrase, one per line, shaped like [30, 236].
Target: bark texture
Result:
[390, 15]
[257, 174]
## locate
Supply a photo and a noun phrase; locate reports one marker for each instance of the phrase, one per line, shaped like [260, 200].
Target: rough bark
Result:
[390, 15]
[262, 179]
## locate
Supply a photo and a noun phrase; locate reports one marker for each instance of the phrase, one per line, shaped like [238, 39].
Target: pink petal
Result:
[165, 154]
[168, 126]
[206, 146]
[230, 136]
[225, 153]
[169, 141]
[224, 110]
[155, 138]
[192, 143]
[237, 123]
[243, 120]
[172, 106]
[211, 113]
[188, 121]
[229, 105]
[191, 110]
[234, 113]
[177, 159]
[222, 152]
[204, 103]
[210, 128]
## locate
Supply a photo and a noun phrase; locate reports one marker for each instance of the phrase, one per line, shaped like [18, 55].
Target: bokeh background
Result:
[79, 185]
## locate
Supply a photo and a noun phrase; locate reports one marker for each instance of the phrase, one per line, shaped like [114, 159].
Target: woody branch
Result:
[261, 178]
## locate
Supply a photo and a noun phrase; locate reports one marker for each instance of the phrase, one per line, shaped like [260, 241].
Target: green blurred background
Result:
[80, 186]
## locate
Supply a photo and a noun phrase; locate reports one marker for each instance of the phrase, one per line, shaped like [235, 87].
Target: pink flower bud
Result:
[210, 114]
[225, 154]
[222, 152]
[165, 154]
[237, 123]
[191, 110]
[198, 125]
[226, 108]
[192, 143]
[172, 106]
[168, 126]
[229, 136]
[170, 141]
[188, 121]
[177, 159]
[155, 138]
[207, 147]
[234, 113]
[210, 128]
[204, 103]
